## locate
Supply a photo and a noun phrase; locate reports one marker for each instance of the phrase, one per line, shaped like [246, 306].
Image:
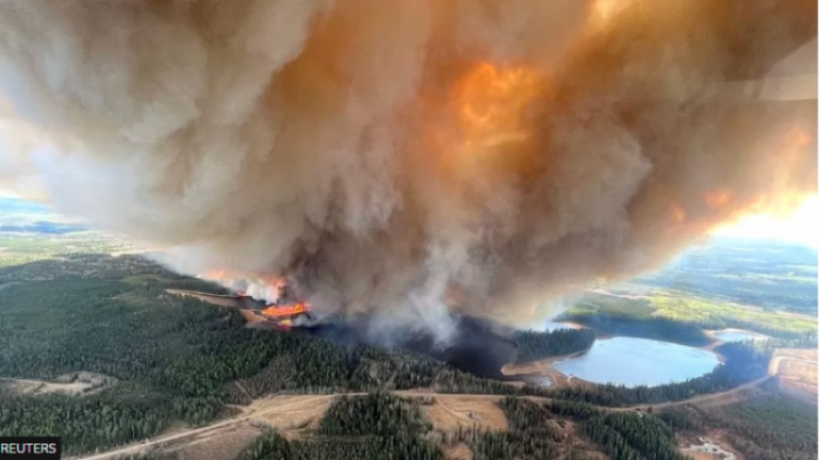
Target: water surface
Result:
[738, 335]
[632, 361]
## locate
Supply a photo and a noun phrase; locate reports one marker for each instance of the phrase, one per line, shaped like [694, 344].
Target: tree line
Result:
[622, 435]
[111, 418]
[744, 363]
[766, 427]
[535, 345]
[373, 427]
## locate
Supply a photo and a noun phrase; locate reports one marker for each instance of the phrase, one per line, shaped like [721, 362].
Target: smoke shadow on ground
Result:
[478, 346]
[474, 347]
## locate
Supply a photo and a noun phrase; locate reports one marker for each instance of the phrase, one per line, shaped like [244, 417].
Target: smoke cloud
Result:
[416, 156]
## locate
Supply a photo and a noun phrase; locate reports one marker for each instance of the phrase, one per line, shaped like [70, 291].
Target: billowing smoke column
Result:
[412, 156]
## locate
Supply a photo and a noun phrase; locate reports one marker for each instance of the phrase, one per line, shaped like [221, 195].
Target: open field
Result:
[681, 317]
[713, 447]
[770, 275]
[761, 286]
[544, 368]
[73, 384]
[458, 451]
[16, 249]
[301, 412]
[294, 414]
[449, 412]
[797, 370]
[223, 445]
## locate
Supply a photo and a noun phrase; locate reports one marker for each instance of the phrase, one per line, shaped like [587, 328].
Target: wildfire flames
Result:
[411, 156]
[271, 290]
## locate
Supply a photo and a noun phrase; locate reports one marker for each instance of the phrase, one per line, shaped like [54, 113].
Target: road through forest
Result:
[132, 449]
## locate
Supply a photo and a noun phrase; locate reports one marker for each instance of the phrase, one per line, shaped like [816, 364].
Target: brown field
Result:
[544, 368]
[711, 447]
[293, 414]
[795, 364]
[222, 301]
[224, 445]
[448, 412]
[459, 451]
[797, 370]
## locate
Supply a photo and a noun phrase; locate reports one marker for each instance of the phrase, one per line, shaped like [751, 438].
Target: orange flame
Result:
[287, 310]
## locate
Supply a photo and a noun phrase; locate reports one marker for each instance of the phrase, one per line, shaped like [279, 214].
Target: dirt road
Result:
[252, 413]
[726, 397]
[144, 446]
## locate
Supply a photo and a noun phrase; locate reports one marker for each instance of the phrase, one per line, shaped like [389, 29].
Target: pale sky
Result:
[802, 227]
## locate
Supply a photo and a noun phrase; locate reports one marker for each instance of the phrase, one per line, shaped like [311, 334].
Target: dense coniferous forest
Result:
[373, 427]
[533, 433]
[744, 363]
[806, 341]
[663, 329]
[378, 414]
[622, 435]
[536, 432]
[535, 345]
[530, 435]
[766, 427]
[112, 316]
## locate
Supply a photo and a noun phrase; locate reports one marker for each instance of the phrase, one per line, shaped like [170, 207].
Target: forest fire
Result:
[513, 152]
[276, 311]
[272, 299]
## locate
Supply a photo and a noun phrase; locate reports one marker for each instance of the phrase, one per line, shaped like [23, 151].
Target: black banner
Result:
[27, 447]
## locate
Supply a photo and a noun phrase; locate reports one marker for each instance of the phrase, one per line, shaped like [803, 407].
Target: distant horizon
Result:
[800, 228]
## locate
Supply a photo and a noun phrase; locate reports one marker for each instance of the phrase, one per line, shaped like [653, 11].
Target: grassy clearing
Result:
[16, 249]
[692, 311]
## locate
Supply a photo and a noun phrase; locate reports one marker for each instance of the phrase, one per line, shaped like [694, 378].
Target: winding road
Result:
[216, 427]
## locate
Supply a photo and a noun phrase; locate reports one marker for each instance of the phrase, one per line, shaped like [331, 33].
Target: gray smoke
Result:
[414, 156]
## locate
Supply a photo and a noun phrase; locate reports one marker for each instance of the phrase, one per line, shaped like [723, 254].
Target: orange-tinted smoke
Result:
[383, 155]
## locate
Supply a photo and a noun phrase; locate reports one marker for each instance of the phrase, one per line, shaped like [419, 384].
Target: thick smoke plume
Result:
[412, 156]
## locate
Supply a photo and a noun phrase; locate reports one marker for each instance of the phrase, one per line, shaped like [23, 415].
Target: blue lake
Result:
[631, 362]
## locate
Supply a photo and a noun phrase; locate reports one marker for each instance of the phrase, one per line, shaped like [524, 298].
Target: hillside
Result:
[165, 359]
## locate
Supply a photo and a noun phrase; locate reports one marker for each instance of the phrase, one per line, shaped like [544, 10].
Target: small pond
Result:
[738, 335]
[632, 361]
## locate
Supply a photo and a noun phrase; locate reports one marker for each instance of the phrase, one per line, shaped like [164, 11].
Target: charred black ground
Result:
[478, 346]
[475, 347]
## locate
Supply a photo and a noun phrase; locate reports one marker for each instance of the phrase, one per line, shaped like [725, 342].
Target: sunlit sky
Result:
[803, 226]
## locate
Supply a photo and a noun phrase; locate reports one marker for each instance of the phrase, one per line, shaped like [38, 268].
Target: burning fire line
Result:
[274, 293]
